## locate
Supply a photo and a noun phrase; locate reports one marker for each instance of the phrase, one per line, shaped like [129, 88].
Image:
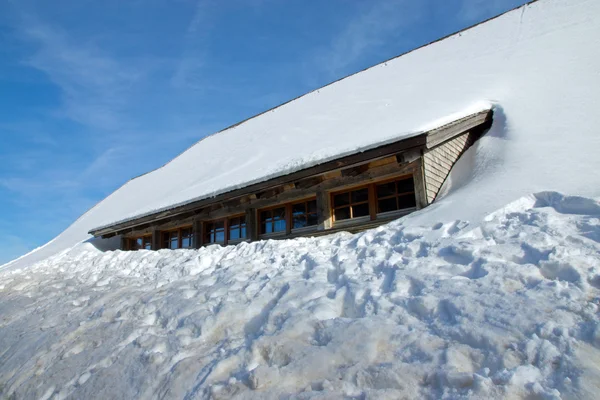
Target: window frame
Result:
[226, 228]
[372, 200]
[288, 206]
[131, 242]
[291, 214]
[179, 237]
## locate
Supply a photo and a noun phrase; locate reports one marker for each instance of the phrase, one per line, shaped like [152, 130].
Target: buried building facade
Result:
[352, 193]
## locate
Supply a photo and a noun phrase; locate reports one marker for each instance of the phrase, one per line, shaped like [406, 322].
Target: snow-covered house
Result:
[353, 192]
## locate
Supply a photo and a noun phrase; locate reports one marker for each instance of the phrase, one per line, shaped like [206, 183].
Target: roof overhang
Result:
[420, 141]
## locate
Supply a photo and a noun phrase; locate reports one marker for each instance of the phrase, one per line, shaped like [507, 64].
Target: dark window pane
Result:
[407, 201]
[341, 199]
[264, 215]
[312, 206]
[219, 225]
[406, 185]
[299, 221]
[299, 209]
[342, 213]
[360, 195]
[387, 205]
[312, 220]
[386, 189]
[360, 210]
[279, 226]
[279, 213]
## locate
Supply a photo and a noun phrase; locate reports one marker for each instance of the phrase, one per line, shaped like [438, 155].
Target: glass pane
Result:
[174, 243]
[139, 243]
[386, 189]
[234, 234]
[264, 215]
[406, 185]
[299, 221]
[360, 195]
[341, 199]
[312, 220]
[279, 213]
[220, 236]
[279, 226]
[299, 209]
[360, 210]
[311, 206]
[342, 213]
[407, 201]
[387, 205]
[219, 225]
[243, 232]
[186, 242]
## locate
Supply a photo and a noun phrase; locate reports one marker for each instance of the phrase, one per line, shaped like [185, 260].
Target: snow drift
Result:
[507, 308]
[538, 64]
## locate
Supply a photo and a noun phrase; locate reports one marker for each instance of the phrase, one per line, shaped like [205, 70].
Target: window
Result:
[304, 214]
[180, 238]
[272, 220]
[215, 232]
[139, 243]
[171, 240]
[187, 238]
[396, 195]
[352, 204]
[237, 228]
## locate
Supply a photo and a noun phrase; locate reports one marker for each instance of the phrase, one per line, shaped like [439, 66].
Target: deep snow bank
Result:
[509, 308]
[539, 64]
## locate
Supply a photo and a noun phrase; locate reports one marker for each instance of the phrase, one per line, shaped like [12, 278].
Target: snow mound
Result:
[508, 308]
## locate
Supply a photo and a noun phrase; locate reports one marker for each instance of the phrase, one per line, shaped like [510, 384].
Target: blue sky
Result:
[95, 93]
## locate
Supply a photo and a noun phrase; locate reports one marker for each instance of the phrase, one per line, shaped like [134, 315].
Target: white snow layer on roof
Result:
[507, 308]
[538, 65]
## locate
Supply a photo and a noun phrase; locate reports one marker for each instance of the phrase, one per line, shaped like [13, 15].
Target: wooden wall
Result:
[438, 161]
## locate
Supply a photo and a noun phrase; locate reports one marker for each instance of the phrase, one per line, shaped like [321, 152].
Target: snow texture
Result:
[506, 308]
[538, 65]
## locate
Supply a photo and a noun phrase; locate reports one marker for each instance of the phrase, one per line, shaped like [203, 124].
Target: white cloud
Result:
[367, 32]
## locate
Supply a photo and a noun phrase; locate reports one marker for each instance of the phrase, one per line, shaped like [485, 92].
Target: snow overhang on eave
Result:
[423, 140]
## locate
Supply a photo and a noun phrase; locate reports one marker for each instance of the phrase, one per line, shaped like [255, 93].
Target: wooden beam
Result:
[323, 210]
[251, 224]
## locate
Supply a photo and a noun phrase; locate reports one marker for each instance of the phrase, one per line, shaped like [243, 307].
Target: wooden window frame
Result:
[396, 195]
[225, 231]
[372, 199]
[179, 237]
[350, 204]
[290, 208]
[226, 225]
[130, 245]
[228, 232]
[287, 219]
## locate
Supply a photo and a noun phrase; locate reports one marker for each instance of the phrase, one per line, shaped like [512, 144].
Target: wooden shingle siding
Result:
[438, 162]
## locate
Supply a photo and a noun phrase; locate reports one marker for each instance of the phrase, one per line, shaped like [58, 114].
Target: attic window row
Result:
[361, 203]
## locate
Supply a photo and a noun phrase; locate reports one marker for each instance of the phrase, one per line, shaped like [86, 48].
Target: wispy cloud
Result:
[376, 22]
[94, 85]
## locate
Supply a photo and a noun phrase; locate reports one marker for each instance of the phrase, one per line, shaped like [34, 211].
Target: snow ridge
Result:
[505, 309]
